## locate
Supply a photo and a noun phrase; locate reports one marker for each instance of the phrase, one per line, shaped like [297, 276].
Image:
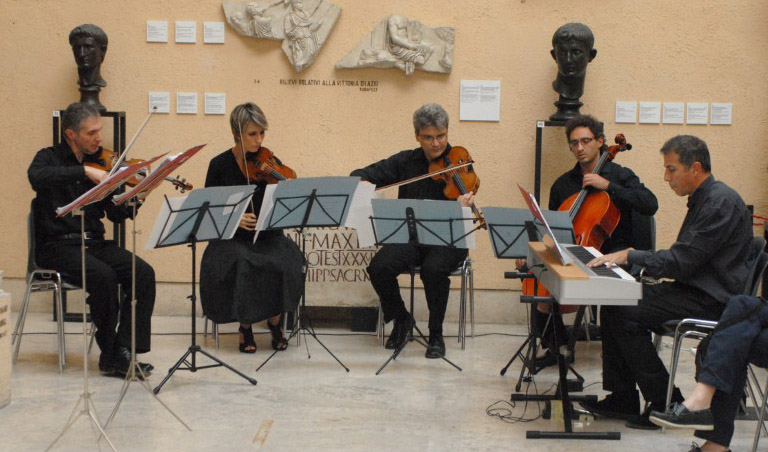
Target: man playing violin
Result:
[586, 141]
[430, 124]
[241, 280]
[709, 265]
[58, 176]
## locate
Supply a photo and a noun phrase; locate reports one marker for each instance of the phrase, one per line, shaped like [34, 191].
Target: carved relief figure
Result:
[89, 46]
[300, 30]
[404, 44]
[302, 25]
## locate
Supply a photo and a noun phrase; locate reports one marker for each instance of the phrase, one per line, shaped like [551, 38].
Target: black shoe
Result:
[399, 334]
[618, 405]
[549, 359]
[105, 364]
[695, 448]
[121, 361]
[436, 346]
[678, 416]
[642, 421]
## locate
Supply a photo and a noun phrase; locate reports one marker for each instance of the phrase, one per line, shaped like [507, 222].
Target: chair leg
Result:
[463, 308]
[673, 367]
[18, 330]
[93, 337]
[214, 333]
[60, 328]
[471, 274]
[381, 325]
[755, 392]
[760, 418]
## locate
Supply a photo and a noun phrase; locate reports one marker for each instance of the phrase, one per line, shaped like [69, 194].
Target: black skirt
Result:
[245, 282]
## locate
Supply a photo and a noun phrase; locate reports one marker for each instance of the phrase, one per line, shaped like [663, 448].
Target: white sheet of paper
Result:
[161, 100]
[649, 113]
[480, 100]
[696, 112]
[157, 31]
[213, 32]
[266, 206]
[721, 114]
[674, 113]
[215, 104]
[164, 212]
[360, 213]
[186, 103]
[626, 112]
[186, 31]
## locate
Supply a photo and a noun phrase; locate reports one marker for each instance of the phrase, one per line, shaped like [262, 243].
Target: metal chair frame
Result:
[466, 293]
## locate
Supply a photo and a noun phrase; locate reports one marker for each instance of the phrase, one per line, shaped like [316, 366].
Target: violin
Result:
[593, 215]
[263, 166]
[106, 159]
[458, 181]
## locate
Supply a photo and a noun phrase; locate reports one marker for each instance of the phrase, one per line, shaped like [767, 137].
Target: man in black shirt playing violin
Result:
[58, 176]
[430, 124]
[634, 201]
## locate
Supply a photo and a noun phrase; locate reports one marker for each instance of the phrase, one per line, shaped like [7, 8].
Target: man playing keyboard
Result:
[708, 265]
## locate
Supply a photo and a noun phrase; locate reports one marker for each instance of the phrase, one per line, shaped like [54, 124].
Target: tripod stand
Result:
[134, 366]
[198, 207]
[87, 408]
[303, 324]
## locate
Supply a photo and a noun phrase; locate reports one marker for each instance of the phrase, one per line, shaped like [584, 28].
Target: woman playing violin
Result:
[241, 280]
[430, 124]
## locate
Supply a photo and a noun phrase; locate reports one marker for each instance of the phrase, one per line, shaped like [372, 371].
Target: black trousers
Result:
[629, 357]
[106, 265]
[436, 263]
[725, 363]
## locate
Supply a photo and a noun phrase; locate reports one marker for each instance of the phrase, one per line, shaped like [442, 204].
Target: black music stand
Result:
[510, 231]
[316, 202]
[206, 214]
[419, 222]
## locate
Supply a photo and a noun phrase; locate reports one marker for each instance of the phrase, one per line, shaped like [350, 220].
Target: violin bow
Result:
[123, 154]
[425, 176]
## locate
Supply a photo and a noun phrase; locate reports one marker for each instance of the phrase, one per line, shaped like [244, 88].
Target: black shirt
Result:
[711, 250]
[58, 178]
[223, 171]
[626, 192]
[402, 166]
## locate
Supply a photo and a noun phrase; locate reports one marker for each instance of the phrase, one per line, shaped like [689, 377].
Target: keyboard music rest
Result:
[571, 284]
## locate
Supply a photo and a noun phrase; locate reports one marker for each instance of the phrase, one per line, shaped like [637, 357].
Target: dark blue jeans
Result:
[725, 363]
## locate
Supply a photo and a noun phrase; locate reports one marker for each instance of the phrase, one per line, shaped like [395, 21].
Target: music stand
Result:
[310, 202]
[510, 231]
[76, 207]
[206, 214]
[155, 178]
[420, 222]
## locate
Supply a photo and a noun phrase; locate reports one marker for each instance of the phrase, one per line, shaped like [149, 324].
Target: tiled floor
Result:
[304, 404]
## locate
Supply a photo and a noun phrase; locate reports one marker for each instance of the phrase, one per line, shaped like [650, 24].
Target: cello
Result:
[593, 215]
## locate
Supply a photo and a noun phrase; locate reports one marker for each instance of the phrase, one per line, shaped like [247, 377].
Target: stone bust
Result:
[89, 46]
[572, 49]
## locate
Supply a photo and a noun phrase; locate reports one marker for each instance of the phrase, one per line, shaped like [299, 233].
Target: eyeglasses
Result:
[431, 138]
[574, 144]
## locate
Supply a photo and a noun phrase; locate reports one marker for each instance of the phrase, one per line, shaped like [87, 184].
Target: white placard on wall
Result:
[213, 32]
[626, 112]
[674, 113]
[480, 100]
[696, 112]
[186, 103]
[649, 113]
[157, 31]
[186, 31]
[721, 113]
[215, 104]
[161, 100]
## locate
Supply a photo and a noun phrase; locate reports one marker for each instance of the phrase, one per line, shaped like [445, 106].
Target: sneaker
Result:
[435, 347]
[678, 416]
[618, 405]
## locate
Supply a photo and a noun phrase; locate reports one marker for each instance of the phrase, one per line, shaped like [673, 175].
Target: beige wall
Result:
[647, 50]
